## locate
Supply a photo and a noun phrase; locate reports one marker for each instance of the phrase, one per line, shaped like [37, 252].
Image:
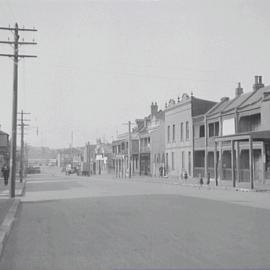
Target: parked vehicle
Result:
[72, 170]
[33, 170]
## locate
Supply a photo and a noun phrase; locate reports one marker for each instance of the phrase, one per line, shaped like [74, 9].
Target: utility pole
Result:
[22, 125]
[15, 57]
[71, 149]
[129, 147]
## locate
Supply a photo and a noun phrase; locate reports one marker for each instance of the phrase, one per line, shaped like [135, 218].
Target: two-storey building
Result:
[146, 149]
[120, 154]
[179, 133]
[4, 148]
[232, 140]
[150, 132]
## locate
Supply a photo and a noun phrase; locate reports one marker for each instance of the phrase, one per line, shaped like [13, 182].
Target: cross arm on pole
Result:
[19, 29]
[20, 55]
[19, 43]
[26, 55]
[7, 54]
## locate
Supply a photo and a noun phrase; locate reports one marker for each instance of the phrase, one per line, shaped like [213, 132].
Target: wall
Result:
[228, 127]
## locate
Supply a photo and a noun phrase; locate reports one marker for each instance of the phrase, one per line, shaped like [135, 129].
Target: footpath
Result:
[8, 210]
[195, 183]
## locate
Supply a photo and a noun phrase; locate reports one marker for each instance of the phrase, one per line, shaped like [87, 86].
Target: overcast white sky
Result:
[102, 63]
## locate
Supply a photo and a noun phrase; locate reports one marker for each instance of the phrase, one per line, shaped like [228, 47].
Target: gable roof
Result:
[256, 97]
[3, 133]
[240, 102]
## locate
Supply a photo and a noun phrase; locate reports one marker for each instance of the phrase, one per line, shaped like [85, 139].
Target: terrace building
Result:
[179, 133]
[232, 140]
[146, 149]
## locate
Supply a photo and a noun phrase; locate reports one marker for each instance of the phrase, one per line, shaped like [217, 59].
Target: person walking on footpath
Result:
[201, 180]
[160, 171]
[5, 172]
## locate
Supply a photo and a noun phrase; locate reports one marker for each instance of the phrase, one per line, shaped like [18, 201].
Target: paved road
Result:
[104, 223]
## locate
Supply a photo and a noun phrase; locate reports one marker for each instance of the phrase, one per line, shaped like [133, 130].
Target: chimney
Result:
[145, 122]
[154, 109]
[224, 99]
[239, 90]
[258, 83]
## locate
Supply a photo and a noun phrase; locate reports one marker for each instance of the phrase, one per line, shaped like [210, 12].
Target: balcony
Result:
[199, 143]
[145, 148]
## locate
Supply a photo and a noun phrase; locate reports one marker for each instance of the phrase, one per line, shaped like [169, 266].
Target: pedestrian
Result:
[5, 172]
[201, 180]
[160, 171]
[208, 178]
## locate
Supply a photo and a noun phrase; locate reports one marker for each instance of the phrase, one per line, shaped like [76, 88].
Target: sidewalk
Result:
[4, 190]
[194, 182]
[8, 210]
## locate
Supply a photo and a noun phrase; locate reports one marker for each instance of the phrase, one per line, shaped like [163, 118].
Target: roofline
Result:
[215, 106]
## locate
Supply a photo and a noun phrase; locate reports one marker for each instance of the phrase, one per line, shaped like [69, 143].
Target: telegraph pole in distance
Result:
[129, 148]
[22, 125]
[15, 57]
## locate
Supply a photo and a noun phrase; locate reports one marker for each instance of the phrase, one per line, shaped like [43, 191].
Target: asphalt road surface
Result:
[103, 223]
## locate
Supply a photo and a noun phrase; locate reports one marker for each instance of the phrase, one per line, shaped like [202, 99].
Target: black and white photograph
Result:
[134, 134]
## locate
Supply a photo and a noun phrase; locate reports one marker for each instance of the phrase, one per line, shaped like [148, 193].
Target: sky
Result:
[102, 63]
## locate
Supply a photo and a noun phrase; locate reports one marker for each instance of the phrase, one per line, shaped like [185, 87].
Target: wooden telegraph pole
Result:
[15, 57]
[22, 125]
[129, 148]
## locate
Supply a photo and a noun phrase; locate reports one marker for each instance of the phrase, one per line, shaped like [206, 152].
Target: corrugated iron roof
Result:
[219, 107]
[255, 96]
[247, 99]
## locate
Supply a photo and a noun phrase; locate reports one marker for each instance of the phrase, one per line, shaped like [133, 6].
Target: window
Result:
[187, 130]
[181, 131]
[249, 123]
[216, 128]
[202, 131]
[173, 133]
[183, 160]
[168, 134]
[172, 160]
[213, 129]
[189, 163]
